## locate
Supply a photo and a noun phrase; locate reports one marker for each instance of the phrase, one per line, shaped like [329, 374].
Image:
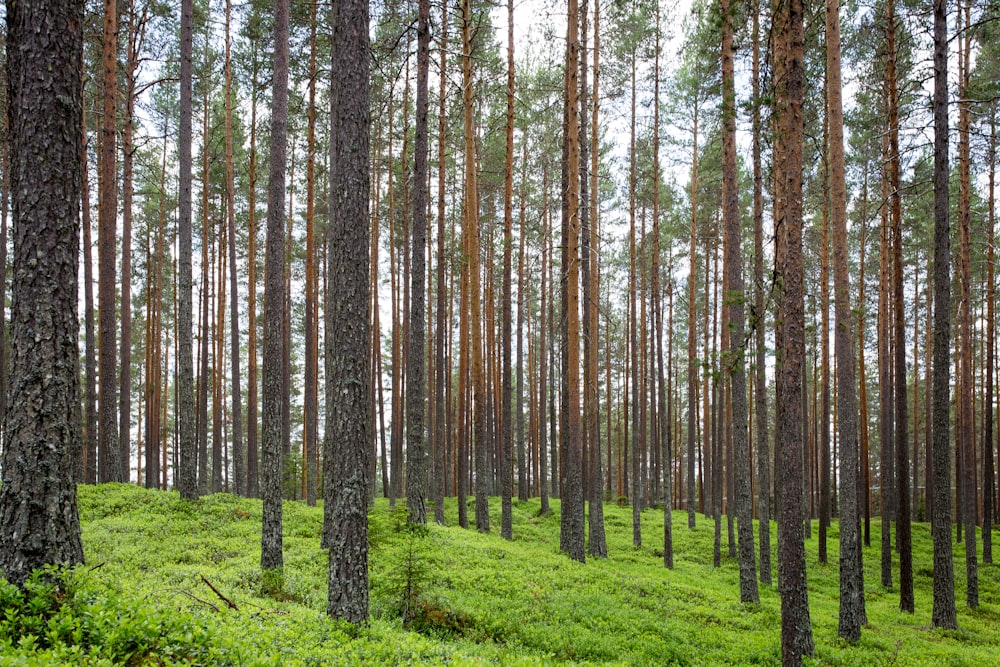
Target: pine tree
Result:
[944, 615]
[39, 524]
[734, 303]
[273, 397]
[852, 592]
[111, 464]
[186, 474]
[416, 472]
[348, 333]
[796, 631]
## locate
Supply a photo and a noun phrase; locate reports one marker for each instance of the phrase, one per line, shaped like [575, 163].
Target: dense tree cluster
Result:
[599, 266]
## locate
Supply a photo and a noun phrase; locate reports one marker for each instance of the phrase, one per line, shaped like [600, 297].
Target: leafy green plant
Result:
[443, 595]
[408, 575]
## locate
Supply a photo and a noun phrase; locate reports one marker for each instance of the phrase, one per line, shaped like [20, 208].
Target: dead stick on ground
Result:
[198, 599]
[229, 603]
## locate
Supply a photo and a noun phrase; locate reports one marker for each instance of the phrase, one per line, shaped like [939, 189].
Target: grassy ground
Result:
[143, 598]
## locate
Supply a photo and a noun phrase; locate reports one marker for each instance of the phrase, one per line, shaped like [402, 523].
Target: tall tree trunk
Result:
[886, 481]
[633, 323]
[39, 524]
[852, 592]
[396, 456]
[88, 458]
[571, 534]
[943, 615]
[239, 455]
[796, 631]
[762, 449]
[470, 232]
[348, 343]
[735, 294]
[416, 388]
[90, 395]
[253, 479]
[111, 466]
[271, 442]
[218, 353]
[441, 377]
[989, 480]
[286, 315]
[902, 505]
[542, 348]
[965, 442]
[692, 363]
[207, 240]
[590, 256]
[864, 483]
[823, 421]
[186, 473]
[136, 37]
[915, 470]
[928, 409]
[507, 445]
[524, 450]
[310, 408]
[154, 326]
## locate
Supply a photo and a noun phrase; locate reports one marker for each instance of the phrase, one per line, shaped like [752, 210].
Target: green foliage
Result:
[68, 617]
[440, 595]
[408, 569]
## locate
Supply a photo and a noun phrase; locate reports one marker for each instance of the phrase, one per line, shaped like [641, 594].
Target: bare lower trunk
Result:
[273, 399]
[348, 332]
[944, 614]
[796, 631]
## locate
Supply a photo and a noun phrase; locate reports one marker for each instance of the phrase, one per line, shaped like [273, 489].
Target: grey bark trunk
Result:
[416, 465]
[272, 400]
[796, 630]
[186, 477]
[943, 614]
[39, 523]
[348, 330]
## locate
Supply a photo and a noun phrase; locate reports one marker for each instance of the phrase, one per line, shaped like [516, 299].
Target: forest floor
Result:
[146, 596]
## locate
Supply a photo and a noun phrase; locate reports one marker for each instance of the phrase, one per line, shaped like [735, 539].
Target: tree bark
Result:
[111, 465]
[39, 524]
[989, 480]
[965, 442]
[186, 477]
[136, 38]
[441, 377]
[852, 593]
[902, 505]
[864, 482]
[823, 418]
[274, 306]
[253, 478]
[348, 335]
[597, 545]
[90, 467]
[239, 455]
[571, 534]
[507, 445]
[762, 449]
[416, 468]
[886, 479]
[796, 631]
[207, 240]
[470, 232]
[633, 323]
[692, 362]
[734, 300]
[943, 615]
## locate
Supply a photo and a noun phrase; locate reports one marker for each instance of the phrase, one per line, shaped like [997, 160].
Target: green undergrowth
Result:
[173, 582]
